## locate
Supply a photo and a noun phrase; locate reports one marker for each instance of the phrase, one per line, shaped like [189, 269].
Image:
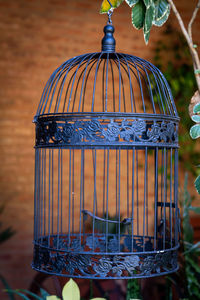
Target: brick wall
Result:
[36, 37]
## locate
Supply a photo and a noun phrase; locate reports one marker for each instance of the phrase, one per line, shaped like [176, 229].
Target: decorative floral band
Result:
[106, 132]
[104, 266]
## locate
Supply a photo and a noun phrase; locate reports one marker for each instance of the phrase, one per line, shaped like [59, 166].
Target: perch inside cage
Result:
[106, 169]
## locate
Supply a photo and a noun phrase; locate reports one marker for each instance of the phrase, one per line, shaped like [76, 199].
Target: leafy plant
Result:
[187, 280]
[191, 250]
[178, 70]
[70, 292]
[144, 13]
[133, 290]
[195, 133]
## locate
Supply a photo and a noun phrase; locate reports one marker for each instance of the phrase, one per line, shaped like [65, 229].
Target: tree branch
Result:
[192, 20]
[188, 37]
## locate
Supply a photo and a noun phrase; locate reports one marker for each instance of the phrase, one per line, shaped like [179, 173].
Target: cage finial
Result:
[108, 41]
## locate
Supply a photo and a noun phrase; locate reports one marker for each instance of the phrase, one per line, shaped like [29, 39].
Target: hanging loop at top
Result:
[110, 12]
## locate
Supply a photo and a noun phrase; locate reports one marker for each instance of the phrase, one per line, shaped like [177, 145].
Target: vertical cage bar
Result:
[156, 199]
[171, 157]
[176, 194]
[35, 194]
[49, 206]
[94, 197]
[42, 195]
[83, 190]
[44, 192]
[127, 176]
[164, 198]
[116, 191]
[72, 190]
[69, 210]
[107, 191]
[119, 195]
[133, 192]
[147, 208]
[81, 194]
[61, 191]
[52, 193]
[144, 203]
[58, 205]
[137, 193]
[104, 179]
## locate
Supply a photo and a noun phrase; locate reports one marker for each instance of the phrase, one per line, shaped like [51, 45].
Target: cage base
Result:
[106, 266]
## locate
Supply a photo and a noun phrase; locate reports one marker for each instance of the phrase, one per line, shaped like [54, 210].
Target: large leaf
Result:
[138, 15]
[197, 184]
[162, 11]
[195, 131]
[132, 2]
[71, 291]
[105, 6]
[196, 108]
[161, 7]
[149, 16]
[196, 118]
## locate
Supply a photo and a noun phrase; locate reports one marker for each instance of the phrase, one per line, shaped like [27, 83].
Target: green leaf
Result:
[161, 7]
[196, 108]
[147, 3]
[132, 2]
[195, 131]
[194, 209]
[197, 184]
[138, 15]
[146, 37]
[149, 16]
[71, 291]
[30, 293]
[162, 11]
[105, 6]
[196, 118]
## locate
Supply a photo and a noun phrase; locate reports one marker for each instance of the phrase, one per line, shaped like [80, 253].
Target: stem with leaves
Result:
[188, 36]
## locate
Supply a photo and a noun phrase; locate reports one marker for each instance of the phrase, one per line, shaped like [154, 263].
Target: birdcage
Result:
[106, 169]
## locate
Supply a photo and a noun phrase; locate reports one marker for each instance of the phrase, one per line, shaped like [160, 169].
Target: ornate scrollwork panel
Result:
[105, 132]
[104, 266]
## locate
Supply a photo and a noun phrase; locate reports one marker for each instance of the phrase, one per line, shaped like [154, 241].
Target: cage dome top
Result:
[107, 82]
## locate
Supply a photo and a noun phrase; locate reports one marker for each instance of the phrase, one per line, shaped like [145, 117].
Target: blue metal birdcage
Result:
[106, 169]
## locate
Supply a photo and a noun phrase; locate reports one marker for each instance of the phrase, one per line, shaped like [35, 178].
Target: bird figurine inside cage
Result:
[106, 169]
